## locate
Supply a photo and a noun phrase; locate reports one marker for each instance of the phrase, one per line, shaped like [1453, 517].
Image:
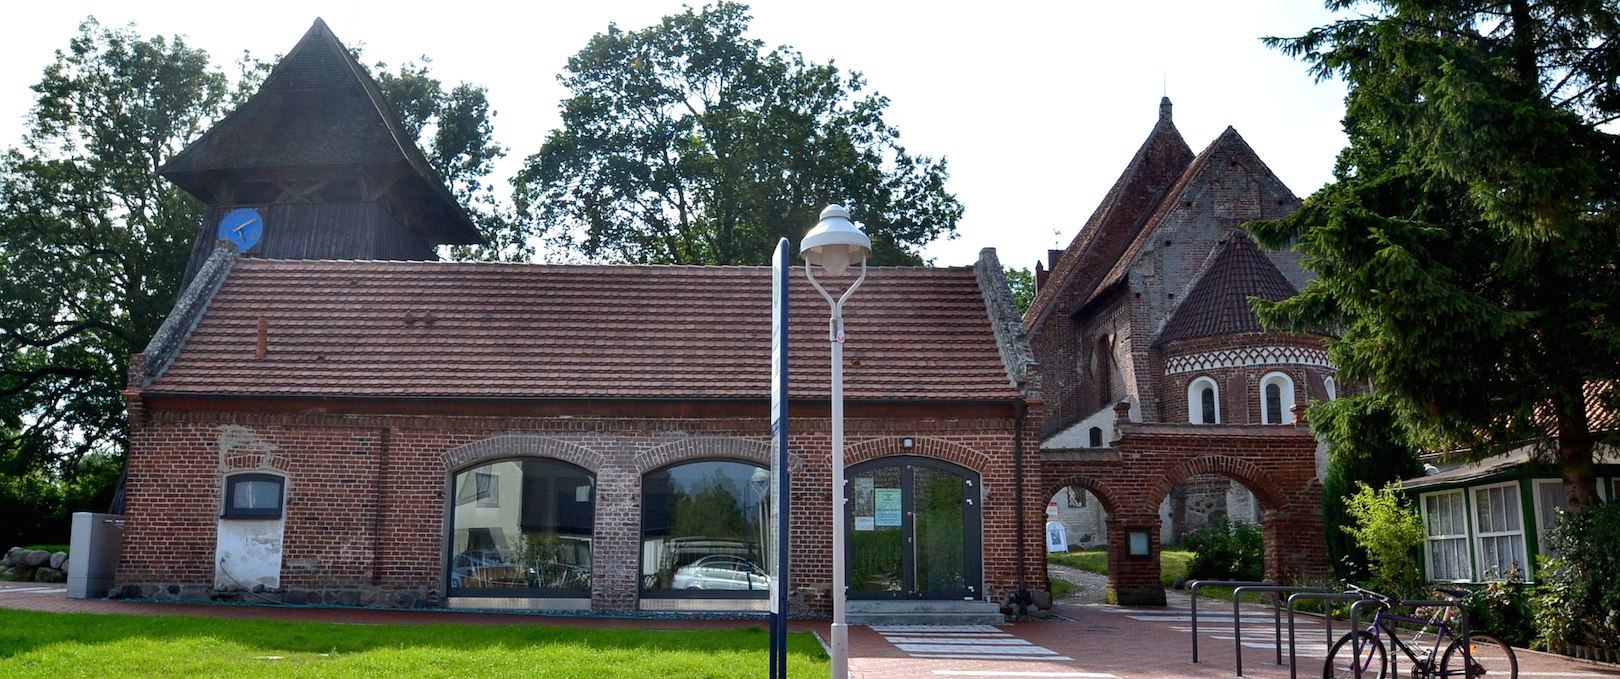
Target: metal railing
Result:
[1193, 587]
[1276, 610]
[1293, 656]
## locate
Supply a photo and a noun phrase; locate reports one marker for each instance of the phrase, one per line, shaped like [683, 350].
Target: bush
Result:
[39, 508]
[1226, 550]
[1503, 608]
[1578, 601]
[1391, 532]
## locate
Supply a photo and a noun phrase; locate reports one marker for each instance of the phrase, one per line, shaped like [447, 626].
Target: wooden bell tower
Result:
[316, 166]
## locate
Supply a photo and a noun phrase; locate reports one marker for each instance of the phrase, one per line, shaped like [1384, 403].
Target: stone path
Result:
[963, 642]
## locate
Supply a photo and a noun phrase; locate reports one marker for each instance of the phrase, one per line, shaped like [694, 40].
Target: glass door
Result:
[914, 530]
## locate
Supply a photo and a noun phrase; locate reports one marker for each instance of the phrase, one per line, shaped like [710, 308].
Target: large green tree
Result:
[688, 143]
[1467, 252]
[93, 242]
[455, 129]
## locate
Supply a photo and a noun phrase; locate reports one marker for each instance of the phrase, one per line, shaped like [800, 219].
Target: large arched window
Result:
[1276, 398]
[703, 530]
[522, 527]
[1203, 402]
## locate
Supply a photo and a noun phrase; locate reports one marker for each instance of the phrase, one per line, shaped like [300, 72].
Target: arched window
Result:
[522, 527]
[1203, 402]
[1331, 387]
[1276, 398]
[703, 530]
[1095, 437]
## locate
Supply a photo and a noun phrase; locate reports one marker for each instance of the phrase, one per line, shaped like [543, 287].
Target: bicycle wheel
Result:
[1491, 657]
[1343, 663]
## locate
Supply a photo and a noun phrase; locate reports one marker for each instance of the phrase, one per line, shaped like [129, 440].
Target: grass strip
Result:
[84, 645]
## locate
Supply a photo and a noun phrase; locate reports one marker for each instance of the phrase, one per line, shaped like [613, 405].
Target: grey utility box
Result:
[93, 554]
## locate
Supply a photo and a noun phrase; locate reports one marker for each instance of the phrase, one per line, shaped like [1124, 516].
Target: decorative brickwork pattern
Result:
[1245, 357]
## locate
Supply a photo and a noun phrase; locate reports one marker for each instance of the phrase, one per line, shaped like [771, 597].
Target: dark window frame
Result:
[231, 511]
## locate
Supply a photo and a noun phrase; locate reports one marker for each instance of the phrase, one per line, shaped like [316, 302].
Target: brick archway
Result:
[1147, 461]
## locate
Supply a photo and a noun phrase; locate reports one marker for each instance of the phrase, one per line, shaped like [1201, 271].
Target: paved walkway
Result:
[1089, 641]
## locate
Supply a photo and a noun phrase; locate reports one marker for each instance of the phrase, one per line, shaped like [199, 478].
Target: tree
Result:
[1370, 447]
[688, 143]
[1467, 254]
[455, 130]
[92, 241]
[1022, 282]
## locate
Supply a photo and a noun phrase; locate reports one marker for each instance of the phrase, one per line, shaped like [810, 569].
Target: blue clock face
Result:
[243, 226]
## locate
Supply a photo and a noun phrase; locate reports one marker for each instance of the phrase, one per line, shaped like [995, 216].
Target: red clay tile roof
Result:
[480, 330]
[1218, 303]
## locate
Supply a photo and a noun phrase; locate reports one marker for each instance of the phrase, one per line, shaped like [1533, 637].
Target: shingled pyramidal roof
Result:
[1218, 303]
[319, 107]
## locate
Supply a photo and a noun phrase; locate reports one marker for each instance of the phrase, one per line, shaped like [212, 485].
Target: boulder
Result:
[49, 575]
[58, 559]
[13, 557]
[34, 558]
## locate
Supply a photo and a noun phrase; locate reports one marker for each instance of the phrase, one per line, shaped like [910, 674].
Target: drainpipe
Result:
[1018, 500]
[383, 442]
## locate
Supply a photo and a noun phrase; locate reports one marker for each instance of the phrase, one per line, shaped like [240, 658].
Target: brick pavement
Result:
[1088, 642]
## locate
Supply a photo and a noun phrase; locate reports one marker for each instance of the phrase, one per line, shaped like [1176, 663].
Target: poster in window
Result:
[888, 507]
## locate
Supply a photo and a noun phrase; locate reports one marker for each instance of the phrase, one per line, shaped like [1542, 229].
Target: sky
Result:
[1037, 106]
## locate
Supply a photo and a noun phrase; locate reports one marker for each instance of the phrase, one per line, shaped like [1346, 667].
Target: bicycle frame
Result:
[1384, 622]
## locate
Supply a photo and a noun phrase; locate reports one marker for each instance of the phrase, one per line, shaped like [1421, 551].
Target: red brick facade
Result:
[367, 494]
[1152, 295]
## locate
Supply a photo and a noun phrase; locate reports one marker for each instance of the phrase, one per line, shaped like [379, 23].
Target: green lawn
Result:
[1172, 562]
[81, 645]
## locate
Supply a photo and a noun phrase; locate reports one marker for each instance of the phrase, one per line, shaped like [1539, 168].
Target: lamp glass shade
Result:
[835, 242]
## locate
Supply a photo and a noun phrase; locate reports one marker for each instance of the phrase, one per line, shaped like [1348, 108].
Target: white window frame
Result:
[1195, 406]
[1285, 385]
[1331, 387]
[1481, 535]
[1463, 538]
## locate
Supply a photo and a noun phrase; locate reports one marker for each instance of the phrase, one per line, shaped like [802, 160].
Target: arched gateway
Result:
[1133, 476]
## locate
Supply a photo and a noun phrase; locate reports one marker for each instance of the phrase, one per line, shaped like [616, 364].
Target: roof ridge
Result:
[1131, 180]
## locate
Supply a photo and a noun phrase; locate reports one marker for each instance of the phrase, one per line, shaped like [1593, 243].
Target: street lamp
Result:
[833, 244]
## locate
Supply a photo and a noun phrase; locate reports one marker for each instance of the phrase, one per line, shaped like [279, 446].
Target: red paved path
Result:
[1099, 641]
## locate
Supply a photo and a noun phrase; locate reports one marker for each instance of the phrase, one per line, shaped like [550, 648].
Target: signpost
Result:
[780, 267]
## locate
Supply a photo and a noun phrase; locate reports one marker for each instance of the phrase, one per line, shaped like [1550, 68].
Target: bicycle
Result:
[1361, 654]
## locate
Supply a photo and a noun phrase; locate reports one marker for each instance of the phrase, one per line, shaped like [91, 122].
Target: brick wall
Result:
[367, 495]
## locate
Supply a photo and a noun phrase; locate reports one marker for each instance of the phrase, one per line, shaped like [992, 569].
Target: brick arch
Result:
[256, 461]
[1104, 494]
[522, 445]
[1256, 480]
[954, 453]
[708, 448]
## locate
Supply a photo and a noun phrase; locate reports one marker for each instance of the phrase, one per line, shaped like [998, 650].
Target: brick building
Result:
[323, 420]
[1155, 373]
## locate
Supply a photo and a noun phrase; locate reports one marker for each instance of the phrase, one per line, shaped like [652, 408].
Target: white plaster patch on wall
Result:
[248, 553]
[235, 438]
[1249, 356]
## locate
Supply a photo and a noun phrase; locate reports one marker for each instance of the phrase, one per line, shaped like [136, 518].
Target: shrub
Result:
[1578, 601]
[1226, 550]
[1504, 609]
[1391, 532]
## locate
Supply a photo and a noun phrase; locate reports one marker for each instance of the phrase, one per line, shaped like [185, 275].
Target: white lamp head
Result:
[835, 242]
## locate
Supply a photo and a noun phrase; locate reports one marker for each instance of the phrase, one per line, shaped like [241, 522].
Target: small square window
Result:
[253, 496]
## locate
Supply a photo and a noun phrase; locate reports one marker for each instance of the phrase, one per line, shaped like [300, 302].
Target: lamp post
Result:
[834, 244]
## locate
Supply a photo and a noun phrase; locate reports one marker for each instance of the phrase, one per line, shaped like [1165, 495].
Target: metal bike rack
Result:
[1193, 588]
[1293, 656]
[1276, 610]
